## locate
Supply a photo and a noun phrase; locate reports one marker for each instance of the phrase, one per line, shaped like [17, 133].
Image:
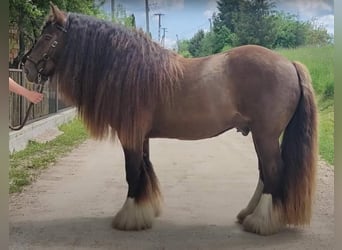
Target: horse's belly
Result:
[185, 133]
[194, 126]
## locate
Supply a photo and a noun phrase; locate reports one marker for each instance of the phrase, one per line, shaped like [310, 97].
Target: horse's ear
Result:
[58, 15]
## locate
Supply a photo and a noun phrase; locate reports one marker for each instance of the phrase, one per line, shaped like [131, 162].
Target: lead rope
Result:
[41, 88]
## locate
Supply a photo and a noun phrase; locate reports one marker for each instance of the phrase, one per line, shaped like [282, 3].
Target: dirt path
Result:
[204, 183]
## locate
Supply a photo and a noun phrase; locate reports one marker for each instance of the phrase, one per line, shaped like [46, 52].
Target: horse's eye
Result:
[47, 37]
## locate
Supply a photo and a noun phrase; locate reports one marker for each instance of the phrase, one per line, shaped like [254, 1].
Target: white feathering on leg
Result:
[252, 203]
[134, 216]
[266, 219]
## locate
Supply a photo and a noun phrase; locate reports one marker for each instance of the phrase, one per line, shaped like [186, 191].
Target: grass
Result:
[326, 134]
[320, 62]
[26, 164]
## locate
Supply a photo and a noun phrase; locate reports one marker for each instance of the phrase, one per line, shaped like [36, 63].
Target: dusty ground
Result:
[204, 183]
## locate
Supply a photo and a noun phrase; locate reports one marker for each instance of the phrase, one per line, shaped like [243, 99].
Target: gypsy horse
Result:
[126, 86]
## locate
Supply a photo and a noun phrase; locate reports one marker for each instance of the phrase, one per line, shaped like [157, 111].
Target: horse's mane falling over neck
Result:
[113, 75]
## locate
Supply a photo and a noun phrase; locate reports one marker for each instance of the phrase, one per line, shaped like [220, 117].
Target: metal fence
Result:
[18, 105]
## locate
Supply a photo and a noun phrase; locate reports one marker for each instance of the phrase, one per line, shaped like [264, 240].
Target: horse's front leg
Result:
[143, 201]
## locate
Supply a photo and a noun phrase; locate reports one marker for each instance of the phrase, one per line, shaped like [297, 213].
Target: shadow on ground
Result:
[97, 232]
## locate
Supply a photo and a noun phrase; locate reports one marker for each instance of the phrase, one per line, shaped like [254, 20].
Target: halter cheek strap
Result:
[41, 63]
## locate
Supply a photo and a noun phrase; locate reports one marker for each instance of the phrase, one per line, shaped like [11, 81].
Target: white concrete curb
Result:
[18, 139]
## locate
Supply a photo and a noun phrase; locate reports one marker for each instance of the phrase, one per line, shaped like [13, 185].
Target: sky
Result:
[183, 18]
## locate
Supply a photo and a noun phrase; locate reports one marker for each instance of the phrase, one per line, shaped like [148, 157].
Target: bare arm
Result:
[32, 96]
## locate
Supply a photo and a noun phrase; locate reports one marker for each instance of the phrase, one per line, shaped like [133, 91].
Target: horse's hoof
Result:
[266, 219]
[242, 215]
[260, 226]
[134, 216]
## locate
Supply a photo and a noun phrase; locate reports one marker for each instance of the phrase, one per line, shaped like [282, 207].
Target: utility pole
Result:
[147, 9]
[112, 5]
[177, 42]
[159, 23]
[163, 37]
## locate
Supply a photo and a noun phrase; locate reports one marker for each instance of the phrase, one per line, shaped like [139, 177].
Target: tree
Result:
[213, 42]
[291, 33]
[24, 17]
[255, 23]
[248, 21]
[316, 34]
[228, 14]
[205, 43]
[206, 46]
[222, 37]
[183, 48]
[195, 43]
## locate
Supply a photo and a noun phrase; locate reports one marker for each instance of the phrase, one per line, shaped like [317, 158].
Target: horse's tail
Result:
[299, 154]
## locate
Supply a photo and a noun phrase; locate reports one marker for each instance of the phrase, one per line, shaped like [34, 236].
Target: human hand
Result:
[34, 96]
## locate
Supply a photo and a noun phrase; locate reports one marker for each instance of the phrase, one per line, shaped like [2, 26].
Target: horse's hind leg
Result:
[256, 196]
[254, 200]
[143, 201]
[268, 215]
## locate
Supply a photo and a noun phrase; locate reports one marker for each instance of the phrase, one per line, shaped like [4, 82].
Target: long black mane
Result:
[113, 74]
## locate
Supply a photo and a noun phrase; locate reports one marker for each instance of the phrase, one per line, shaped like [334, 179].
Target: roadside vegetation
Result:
[26, 164]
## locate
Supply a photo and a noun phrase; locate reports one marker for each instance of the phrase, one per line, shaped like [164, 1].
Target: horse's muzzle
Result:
[31, 74]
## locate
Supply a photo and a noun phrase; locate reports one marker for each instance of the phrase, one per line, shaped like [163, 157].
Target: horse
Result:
[126, 86]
